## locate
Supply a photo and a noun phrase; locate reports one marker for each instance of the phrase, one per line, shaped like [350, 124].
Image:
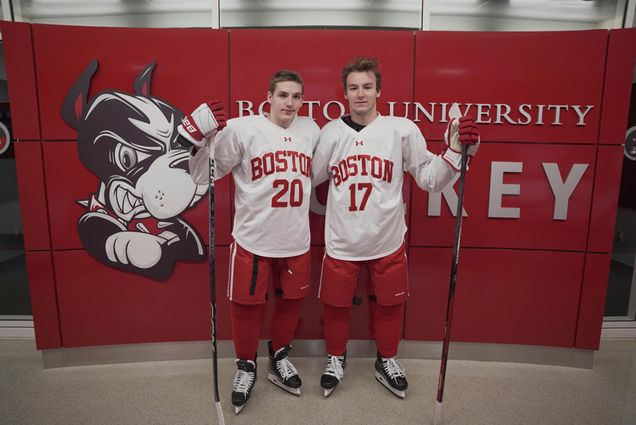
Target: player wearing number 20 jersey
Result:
[271, 167]
[270, 158]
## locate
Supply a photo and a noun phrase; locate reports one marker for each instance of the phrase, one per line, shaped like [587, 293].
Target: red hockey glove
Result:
[203, 122]
[468, 133]
[462, 131]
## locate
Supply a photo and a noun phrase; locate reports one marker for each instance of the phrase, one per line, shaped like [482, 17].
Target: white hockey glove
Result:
[202, 123]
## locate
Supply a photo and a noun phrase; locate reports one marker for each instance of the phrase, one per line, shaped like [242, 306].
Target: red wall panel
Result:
[99, 305]
[68, 182]
[502, 296]
[514, 69]
[18, 52]
[253, 61]
[605, 201]
[536, 228]
[621, 60]
[122, 53]
[33, 202]
[43, 300]
[592, 306]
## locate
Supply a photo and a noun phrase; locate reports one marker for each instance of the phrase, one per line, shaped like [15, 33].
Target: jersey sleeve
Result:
[315, 136]
[228, 150]
[431, 172]
[322, 155]
[199, 162]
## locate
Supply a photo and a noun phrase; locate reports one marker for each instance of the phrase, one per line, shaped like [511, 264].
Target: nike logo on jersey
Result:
[280, 162]
[376, 167]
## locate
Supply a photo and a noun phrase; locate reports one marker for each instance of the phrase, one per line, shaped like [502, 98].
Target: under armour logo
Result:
[359, 142]
[287, 139]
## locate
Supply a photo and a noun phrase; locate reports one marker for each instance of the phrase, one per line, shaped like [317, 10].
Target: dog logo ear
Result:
[76, 99]
[142, 82]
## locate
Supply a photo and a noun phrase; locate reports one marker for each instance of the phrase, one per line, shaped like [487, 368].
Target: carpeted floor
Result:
[180, 392]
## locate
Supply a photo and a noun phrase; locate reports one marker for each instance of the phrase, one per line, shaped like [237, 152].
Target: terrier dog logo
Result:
[132, 221]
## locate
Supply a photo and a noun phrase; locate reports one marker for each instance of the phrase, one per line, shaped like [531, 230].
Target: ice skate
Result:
[281, 372]
[333, 374]
[243, 383]
[391, 374]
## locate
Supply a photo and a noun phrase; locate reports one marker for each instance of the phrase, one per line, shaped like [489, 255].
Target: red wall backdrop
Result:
[532, 271]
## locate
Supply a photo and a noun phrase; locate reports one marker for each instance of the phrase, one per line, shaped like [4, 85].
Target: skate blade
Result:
[237, 409]
[274, 380]
[398, 393]
[327, 392]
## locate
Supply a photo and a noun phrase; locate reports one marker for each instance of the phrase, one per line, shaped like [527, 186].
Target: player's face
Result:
[285, 102]
[362, 93]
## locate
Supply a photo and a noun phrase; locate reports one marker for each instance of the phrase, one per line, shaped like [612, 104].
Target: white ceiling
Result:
[474, 15]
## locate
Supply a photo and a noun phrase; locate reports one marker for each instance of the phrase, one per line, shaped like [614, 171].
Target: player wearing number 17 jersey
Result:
[270, 158]
[365, 156]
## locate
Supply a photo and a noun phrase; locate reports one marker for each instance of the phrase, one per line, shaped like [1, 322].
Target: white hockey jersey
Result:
[365, 207]
[271, 167]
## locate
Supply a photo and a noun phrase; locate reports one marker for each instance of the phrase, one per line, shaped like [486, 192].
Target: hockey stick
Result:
[215, 367]
[451, 290]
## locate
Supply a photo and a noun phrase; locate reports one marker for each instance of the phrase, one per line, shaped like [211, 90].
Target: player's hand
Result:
[202, 123]
[462, 131]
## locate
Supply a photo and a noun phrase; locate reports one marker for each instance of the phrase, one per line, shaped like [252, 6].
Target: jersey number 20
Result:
[295, 190]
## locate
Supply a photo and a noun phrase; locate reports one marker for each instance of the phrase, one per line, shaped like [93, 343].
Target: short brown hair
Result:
[362, 64]
[285, 75]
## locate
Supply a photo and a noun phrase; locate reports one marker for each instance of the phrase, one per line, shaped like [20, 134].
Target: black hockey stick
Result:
[451, 289]
[215, 367]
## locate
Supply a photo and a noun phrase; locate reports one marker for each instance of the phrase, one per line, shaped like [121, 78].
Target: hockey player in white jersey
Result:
[270, 158]
[365, 155]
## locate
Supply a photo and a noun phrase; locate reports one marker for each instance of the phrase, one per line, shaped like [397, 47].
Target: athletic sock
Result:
[246, 329]
[284, 321]
[388, 328]
[336, 329]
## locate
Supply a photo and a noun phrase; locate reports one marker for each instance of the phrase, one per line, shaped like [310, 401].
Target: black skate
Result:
[243, 383]
[391, 374]
[282, 372]
[333, 374]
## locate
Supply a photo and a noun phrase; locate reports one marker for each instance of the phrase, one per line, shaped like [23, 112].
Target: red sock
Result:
[371, 323]
[284, 322]
[337, 329]
[246, 329]
[388, 328]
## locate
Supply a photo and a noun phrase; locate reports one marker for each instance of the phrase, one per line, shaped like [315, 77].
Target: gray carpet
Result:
[180, 392]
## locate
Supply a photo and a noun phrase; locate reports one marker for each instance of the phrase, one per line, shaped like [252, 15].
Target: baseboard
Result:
[128, 353]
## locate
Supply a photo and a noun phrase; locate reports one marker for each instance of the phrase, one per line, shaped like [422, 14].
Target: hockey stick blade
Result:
[438, 413]
[219, 413]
